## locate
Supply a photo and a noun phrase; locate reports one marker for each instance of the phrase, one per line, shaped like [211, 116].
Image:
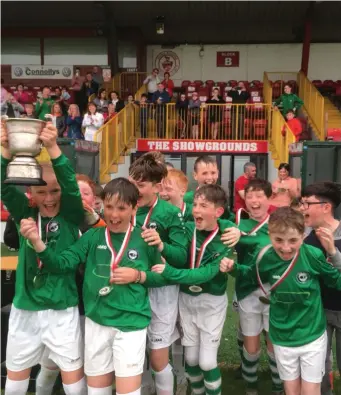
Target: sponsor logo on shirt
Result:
[302, 277]
[53, 226]
[132, 254]
[152, 225]
[155, 339]
[102, 247]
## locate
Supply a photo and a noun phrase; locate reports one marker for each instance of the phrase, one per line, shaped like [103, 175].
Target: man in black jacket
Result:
[239, 95]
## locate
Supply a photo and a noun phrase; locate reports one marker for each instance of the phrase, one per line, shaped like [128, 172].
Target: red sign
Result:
[228, 59]
[206, 146]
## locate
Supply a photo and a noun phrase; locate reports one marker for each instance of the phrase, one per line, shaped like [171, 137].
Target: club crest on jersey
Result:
[302, 277]
[152, 225]
[216, 255]
[53, 226]
[133, 254]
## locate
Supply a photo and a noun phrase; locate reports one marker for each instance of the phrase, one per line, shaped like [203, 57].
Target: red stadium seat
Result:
[328, 83]
[185, 84]
[334, 134]
[232, 83]
[198, 83]
[259, 127]
[209, 82]
[317, 82]
[247, 127]
[256, 82]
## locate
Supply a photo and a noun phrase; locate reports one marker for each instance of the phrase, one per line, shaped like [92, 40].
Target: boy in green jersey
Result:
[163, 226]
[174, 187]
[203, 307]
[117, 315]
[297, 319]
[253, 314]
[44, 313]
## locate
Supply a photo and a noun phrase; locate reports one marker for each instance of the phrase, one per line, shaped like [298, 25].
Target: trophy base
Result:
[29, 182]
[24, 170]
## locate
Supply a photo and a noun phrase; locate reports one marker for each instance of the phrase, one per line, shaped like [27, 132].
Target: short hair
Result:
[212, 193]
[204, 159]
[125, 191]
[157, 155]
[295, 203]
[100, 92]
[324, 190]
[20, 84]
[169, 164]
[113, 92]
[98, 191]
[285, 166]
[258, 184]
[147, 168]
[290, 111]
[87, 180]
[166, 73]
[144, 95]
[248, 164]
[285, 218]
[46, 87]
[179, 177]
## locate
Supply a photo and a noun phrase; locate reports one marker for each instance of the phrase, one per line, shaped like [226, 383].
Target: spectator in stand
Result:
[182, 107]
[110, 114]
[239, 95]
[60, 99]
[168, 84]
[21, 96]
[44, 104]
[11, 107]
[239, 186]
[116, 101]
[89, 88]
[74, 123]
[288, 101]
[161, 98]
[58, 118]
[294, 124]
[152, 80]
[144, 107]
[194, 114]
[130, 99]
[97, 76]
[3, 91]
[29, 111]
[101, 101]
[92, 121]
[77, 84]
[215, 112]
[285, 188]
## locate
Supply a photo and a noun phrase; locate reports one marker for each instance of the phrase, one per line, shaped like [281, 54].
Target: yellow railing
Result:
[129, 83]
[142, 89]
[313, 103]
[115, 137]
[267, 89]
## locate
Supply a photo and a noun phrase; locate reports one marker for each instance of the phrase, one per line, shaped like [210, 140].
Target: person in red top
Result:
[239, 186]
[21, 96]
[294, 125]
[168, 84]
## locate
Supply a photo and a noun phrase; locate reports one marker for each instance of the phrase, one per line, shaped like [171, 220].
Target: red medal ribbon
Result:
[257, 227]
[148, 215]
[183, 208]
[196, 263]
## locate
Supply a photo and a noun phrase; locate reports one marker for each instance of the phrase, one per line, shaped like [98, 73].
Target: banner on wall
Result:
[228, 59]
[204, 146]
[42, 72]
[169, 61]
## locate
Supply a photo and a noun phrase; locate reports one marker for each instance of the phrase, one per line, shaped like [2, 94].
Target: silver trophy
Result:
[25, 145]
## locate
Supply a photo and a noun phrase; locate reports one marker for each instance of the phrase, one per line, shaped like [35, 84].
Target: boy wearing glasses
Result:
[318, 203]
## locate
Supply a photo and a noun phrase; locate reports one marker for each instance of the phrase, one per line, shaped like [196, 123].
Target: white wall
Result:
[20, 50]
[325, 61]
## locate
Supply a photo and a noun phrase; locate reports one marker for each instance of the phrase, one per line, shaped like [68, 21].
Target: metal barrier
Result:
[313, 103]
[128, 83]
[279, 78]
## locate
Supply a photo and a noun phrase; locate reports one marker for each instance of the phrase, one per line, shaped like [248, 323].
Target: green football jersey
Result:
[189, 197]
[168, 221]
[246, 248]
[57, 292]
[126, 307]
[296, 312]
[187, 212]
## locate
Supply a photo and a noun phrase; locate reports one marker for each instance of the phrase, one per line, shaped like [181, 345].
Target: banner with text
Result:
[42, 72]
[204, 146]
[228, 59]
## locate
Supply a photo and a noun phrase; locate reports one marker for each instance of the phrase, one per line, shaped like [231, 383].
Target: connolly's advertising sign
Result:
[42, 72]
[206, 146]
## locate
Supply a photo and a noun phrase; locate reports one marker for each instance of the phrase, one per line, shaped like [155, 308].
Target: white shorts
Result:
[253, 314]
[164, 303]
[108, 349]
[57, 332]
[307, 362]
[202, 319]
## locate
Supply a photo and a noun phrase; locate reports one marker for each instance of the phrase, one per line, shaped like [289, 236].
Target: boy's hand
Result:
[49, 135]
[231, 236]
[4, 140]
[152, 238]
[124, 275]
[158, 268]
[226, 265]
[28, 228]
[326, 238]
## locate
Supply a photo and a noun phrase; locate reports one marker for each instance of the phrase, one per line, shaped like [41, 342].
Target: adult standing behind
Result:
[182, 107]
[89, 88]
[58, 119]
[215, 113]
[152, 81]
[239, 186]
[168, 84]
[194, 105]
[92, 121]
[101, 101]
[116, 101]
[60, 98]
[74, 123]
[97, 76]
[160, 98]
[21, 96]
[76, 84]
[11, 107]
[285, 188]
[239, 95]
[288, 101]
[44, 104]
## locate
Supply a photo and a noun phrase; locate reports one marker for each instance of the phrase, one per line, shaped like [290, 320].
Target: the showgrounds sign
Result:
[42, 72]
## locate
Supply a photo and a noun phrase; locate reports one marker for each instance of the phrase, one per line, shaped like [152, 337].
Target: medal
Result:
[38, 281]
[253, 231]
[146, 220]
[115, 259]
[196, 261]
[266, 298]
